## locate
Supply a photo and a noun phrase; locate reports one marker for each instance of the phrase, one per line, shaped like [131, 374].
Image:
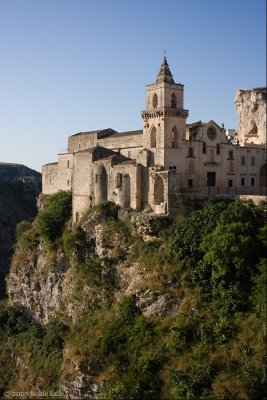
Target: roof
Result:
[165, 74]
[107, 131]
[128, 133]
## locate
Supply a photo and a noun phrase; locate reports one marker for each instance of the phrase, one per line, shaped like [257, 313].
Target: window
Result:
[243, 160]
[190, 183]
[230, 183]
[68, 163]
[96, 178]
[155, 100]
[211, 178]
[68, 182]
[77, 217]
[252, 181]
[242, 181]
[118, 180]
[129, 154]
[190, 152]
[173, 101]
[174, 167]
[79, 146]
[153, 137]
[252, 161]
[218, 148]
[211, 133]
[230, 155]
[204, 148]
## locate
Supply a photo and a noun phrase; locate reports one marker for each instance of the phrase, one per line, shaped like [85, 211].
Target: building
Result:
[154, 167]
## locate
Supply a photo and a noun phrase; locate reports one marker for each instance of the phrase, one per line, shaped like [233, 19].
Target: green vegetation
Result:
[51, 219]
[38, 350]
[212, 264]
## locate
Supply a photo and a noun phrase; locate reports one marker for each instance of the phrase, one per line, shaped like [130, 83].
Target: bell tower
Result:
[164, 117]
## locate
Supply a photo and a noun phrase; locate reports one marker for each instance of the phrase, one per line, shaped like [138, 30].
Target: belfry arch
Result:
[158, 190]
[173, 101]
[155, 101]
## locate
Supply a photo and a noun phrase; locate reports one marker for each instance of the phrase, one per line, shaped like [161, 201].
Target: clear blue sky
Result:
[74, 65]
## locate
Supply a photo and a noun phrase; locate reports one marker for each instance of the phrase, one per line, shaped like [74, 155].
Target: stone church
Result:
[155, 167]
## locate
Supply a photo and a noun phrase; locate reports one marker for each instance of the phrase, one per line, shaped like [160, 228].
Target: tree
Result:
[51, 219]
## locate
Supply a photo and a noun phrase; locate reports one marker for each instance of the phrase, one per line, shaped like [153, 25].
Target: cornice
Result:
[164, 112]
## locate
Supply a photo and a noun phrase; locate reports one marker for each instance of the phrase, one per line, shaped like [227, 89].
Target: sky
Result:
[68, 66]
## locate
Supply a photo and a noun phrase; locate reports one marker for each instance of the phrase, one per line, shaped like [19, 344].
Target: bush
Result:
[51, 219]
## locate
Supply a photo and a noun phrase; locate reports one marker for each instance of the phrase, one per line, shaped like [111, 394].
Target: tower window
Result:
[173, 101]
[153, 137]
[155, 100]
[68, 163]
[218, 148]
[204, 148]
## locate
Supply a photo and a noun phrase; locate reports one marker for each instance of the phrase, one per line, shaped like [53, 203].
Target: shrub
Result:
[51, 219]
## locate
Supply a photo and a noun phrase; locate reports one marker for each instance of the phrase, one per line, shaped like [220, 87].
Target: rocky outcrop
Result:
[251, 110]
[19, 187]
[47, 284]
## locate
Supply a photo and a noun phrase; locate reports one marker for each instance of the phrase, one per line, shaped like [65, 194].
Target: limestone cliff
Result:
[126, 309]
[49, 284]
[251, 110]
[19, 187]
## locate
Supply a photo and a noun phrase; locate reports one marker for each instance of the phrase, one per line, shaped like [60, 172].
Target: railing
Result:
[213, 190]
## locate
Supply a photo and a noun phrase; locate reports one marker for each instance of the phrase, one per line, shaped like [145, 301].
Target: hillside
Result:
[19, 187]
[137, 308]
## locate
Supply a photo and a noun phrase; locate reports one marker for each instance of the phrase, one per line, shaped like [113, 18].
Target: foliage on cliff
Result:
[211, 266]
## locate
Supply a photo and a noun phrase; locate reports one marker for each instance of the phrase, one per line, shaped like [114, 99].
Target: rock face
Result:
[19, 187]
[251, 109]
[47, 285]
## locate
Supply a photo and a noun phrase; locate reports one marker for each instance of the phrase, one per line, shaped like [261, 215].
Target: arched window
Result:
[218, 148]
[204, 148]
[174, 137]
[158, 190]
[155, 100]
[173, 101]
[153, 137]
[101, 184]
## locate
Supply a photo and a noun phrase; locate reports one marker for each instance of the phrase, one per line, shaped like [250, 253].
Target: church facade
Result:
[153, 168]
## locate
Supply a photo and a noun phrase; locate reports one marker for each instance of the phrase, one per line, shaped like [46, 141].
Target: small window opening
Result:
[190, 183]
